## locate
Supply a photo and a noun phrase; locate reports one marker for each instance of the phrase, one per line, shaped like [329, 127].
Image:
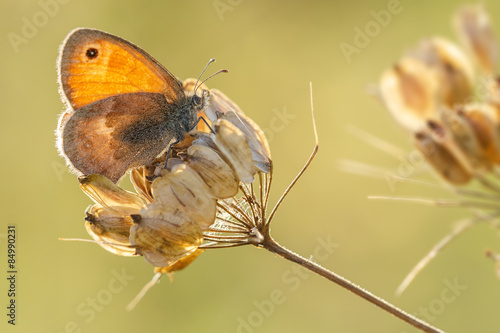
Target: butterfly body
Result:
[124, 108]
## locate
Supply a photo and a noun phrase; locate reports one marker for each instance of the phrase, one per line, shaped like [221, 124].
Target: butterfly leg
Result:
[206, 123]
[178, 140]
[168, 152]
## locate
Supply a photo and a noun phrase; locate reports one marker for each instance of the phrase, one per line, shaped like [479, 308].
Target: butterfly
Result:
[124, 107]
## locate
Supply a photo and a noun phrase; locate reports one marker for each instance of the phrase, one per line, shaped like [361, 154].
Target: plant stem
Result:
[271, 245]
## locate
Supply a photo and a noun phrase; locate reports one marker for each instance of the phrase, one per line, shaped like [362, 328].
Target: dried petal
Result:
[141, 177]
[107, 194]
[142, 185]
[215, 172]
[474, 29]
[163, 234]
[441, 159]
[184, 189]
[255, 138]
[179, 264]
[480, 118]
[222, 106]
[493, 91]
[111, 231]
[233, 144]
[410, 92]
[464, 137]
[453, 70]
[204, 140]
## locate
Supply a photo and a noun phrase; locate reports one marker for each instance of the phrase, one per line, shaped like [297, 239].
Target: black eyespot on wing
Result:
[92, 53]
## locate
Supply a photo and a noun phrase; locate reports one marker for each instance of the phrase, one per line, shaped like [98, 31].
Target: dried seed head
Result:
[409, 90]
[109, 230]
[473, 25]
[184, 189]
[221, 180]
[434, 74]
[464, 137]
[233, 144]
[493, 92]
[480, 119]
[109, 195]
[443, 160]
[163, 234]
[175, 211]
[454, 72]
[461, 138]
[140, 178]
[108, 222]
[222, 107]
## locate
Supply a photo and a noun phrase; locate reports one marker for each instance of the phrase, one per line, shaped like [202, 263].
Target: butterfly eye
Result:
[196, 100]
[91, 53]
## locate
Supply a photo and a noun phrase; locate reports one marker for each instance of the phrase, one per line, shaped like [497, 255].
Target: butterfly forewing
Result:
[95, 65]
[125, 107]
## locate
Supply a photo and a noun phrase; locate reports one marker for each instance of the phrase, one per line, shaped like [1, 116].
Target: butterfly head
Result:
[196, 104]
[200, 101]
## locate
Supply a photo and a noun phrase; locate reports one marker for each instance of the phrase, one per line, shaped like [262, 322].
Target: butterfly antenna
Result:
[203, 71]
[211, 76]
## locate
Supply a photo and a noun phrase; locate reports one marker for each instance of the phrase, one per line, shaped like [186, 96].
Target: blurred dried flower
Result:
[474, 29]
[409, 91]
[455, 126]
[441, 158]
[430, 92]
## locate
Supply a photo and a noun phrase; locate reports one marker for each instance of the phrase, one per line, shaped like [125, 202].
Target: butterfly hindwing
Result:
[117, 133]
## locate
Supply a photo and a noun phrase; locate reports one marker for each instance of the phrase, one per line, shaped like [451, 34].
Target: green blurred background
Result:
[273, 49]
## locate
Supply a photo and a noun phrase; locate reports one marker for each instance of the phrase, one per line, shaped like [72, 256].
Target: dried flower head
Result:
[473, 25]
[173, 214]
[430, 92]
[455, 126]
[109, 220]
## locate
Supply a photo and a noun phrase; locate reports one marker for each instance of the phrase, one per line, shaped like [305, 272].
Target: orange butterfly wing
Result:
[94, 65]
